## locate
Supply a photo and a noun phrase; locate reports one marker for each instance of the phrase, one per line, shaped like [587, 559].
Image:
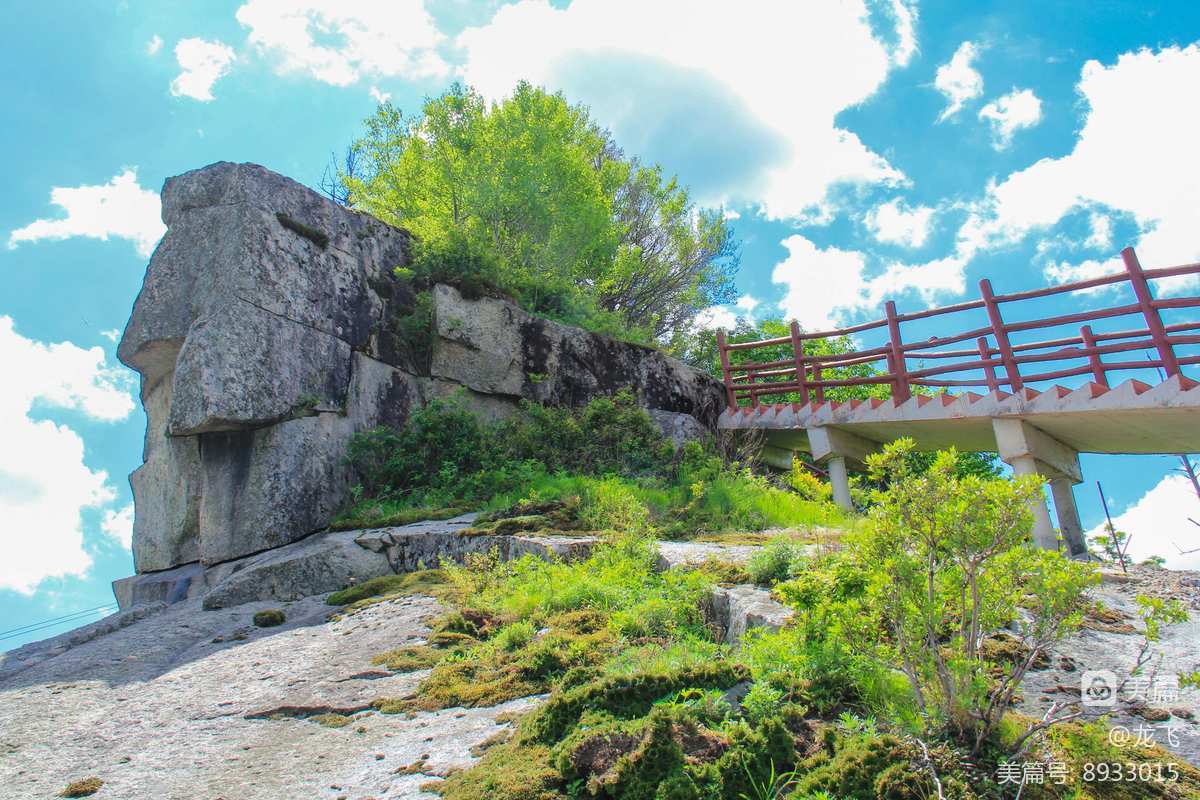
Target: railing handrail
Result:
[1000, 360]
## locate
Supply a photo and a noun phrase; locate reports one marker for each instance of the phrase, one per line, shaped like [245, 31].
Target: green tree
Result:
[535, 181]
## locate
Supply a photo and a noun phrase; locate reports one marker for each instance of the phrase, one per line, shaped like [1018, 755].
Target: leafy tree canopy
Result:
[535, 181]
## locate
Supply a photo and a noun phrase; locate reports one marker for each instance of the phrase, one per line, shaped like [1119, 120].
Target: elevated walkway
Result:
[1036, 431]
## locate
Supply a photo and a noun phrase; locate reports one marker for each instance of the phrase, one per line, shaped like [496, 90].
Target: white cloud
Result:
[1101, 235]
[154, 45]
[202, 64]
[44, 482]
[747, 303]
[819, 282]
[894, 222]
[340, 41]
[1158, 524]
[905, 16]
[824, 285]
[957, 80]
[118, 208]
[1018, 109]
[778, 74]
[1136, 153]
[119, 525]
[716, 317]
[1065, 272]
[726, 317]
[378, 96]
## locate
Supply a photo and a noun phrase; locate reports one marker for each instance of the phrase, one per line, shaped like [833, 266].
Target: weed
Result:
[319, 238]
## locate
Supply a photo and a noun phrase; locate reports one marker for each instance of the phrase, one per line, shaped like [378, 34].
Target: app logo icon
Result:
[1098, 687]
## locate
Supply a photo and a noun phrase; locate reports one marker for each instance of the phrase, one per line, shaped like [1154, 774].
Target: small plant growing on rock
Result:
[82, 788]
[269, 618]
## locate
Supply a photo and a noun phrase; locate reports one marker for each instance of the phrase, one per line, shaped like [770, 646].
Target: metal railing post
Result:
[900, 388]
[989, 372]
[1089, 341]
[798, 352]
[1002, 344]
[730, 395]
[1141, 288]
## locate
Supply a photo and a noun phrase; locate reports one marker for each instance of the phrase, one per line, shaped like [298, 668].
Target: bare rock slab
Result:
[170, 705]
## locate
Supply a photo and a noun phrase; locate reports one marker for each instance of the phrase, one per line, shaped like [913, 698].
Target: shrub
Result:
[269, 618]
[610, 504]
[773, 563]
[440, 441]
[952, 564]
[762, 701]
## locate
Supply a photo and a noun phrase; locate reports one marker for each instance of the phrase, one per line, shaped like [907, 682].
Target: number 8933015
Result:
[1117, 772]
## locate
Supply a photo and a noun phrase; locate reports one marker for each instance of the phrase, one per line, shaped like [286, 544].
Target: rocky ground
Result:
[186, 702]
[1110, 641]
[180, 701]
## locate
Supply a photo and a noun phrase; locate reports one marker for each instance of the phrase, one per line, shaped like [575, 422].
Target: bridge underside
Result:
[1036, 432]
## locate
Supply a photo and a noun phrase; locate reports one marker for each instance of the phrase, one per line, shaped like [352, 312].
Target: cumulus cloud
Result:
[734, 92]
[725, 316]
[340, 41]
[119, 208]
[747, 303]
[1018, 109]
[118, 525]
[1158, 524]
[958, 81]
[44, 482]
[894, 222]
[154, 45]
[1136, 153]
[824, 285]
[202, 64]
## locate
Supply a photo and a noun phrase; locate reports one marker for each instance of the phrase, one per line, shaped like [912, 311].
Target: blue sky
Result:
[866, 150]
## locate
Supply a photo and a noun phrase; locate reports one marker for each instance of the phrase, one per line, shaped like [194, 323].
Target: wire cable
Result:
[34, 627]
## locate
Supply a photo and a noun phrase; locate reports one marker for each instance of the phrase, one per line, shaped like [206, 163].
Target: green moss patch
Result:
[431, 582]
[384, 514]
[331, 720]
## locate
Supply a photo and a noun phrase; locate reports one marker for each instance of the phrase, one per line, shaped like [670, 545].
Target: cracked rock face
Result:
[269, 329]
[256, 336]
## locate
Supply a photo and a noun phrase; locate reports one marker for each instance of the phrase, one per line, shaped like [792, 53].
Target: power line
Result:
[34, 627]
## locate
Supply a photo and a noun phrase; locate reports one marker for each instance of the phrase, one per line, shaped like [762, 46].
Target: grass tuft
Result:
[82, 788]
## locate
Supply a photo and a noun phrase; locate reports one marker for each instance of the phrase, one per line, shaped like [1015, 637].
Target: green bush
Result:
[269, 618]
[773, 563]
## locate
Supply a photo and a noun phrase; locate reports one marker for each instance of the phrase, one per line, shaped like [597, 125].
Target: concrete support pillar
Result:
[1068, 516]
[1043, 530]
[833, 448]
[840, 482]
[1030, 451]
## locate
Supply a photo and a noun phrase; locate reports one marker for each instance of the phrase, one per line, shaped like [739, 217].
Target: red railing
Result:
[995, 363]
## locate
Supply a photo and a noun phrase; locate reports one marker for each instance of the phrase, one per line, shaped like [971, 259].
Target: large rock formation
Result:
[268, 331]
